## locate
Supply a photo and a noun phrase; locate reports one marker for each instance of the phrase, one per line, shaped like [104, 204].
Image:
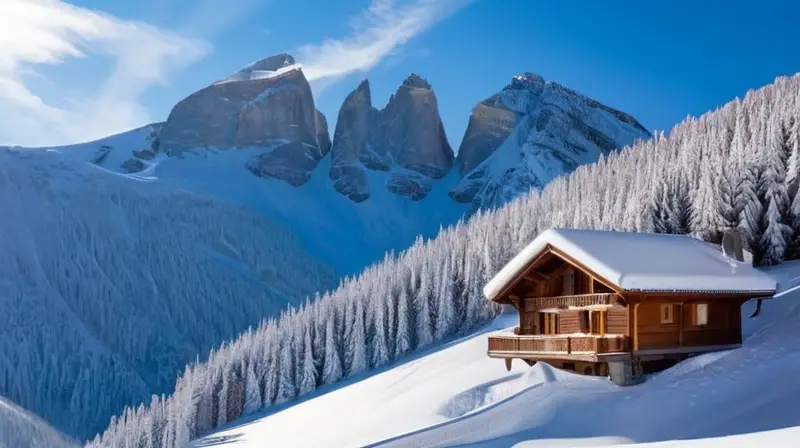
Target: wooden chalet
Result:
[619, 303]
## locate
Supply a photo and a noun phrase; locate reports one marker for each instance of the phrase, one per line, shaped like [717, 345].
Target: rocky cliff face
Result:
[267, 105]
[531, 132]
[406, 137]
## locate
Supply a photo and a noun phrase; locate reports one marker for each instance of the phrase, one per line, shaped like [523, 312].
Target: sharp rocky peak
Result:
[406, 139]
[416, 81]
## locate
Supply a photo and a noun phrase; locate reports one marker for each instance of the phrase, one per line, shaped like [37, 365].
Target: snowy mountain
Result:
[531, 132]
[21, 429]
[111, 283]
[454, 395]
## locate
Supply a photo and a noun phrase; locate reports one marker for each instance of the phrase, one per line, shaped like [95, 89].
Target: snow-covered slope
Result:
[336, 230]
[456, 396]
[531, 132]
[111, 283]
[21, 429]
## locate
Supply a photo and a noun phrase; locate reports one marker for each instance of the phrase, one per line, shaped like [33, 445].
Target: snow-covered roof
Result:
[641, 262]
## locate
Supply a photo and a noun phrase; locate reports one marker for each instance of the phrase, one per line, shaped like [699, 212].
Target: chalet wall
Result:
[724, 325]
[617, 320]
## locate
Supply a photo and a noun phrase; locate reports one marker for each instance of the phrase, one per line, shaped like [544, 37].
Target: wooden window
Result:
[667, 316]
[701, 314]
[584, 318]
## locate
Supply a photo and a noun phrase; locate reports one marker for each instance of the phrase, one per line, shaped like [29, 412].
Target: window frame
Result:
[669, 317]
[697, 307]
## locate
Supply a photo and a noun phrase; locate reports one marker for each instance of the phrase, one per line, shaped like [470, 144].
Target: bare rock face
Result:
[406, 137]
[531, 132]
[268, 106]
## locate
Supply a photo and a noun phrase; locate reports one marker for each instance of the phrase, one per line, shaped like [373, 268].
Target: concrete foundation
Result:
[621, 372]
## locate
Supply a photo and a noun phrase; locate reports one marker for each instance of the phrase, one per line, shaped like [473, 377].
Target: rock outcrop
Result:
[531, 132]
[268, 106]
[406, 137]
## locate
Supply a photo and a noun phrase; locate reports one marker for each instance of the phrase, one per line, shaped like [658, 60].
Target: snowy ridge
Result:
[641, 262]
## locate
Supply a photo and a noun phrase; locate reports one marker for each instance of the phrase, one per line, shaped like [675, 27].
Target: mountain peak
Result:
[266, 68]
[363, 87]
[416, 81]
[273, 63]
[526, 81]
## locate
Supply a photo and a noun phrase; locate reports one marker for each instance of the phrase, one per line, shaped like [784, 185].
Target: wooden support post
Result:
[680, 331]
[603, 322]
[591, 285]
[635, 311]
[508, 364]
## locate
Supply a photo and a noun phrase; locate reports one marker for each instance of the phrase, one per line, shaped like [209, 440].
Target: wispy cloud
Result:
[377, 32]
[37, 33]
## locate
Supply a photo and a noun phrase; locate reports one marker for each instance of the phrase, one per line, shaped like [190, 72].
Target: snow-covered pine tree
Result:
[252, 392]
[379, 346]
[773, 176]
[424, 330]
[332, 367]
[660, 209]
[706, 223]
[222, 396]
[271, 363]
[751, 218]
[286, 386]
[680, 211]
[356, 344]
[308, 368]
[404, 323]
[445, 324]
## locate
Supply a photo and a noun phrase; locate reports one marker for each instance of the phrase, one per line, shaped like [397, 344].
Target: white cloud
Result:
[383, 27]
[51, 32]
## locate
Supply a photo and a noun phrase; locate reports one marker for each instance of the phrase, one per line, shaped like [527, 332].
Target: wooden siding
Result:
[723, 328]
[617, 318]
[569, 322]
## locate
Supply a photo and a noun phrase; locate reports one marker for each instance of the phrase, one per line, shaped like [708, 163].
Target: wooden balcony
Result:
[575, 300]
[586, 347]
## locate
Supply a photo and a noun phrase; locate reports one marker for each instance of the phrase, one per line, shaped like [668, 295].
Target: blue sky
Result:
[72, 71]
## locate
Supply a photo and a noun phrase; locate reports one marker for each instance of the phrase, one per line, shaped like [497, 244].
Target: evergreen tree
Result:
[421, 308]
[308, 368]
[403, 338]
[252, 392]
[445, 324]
[332, 367]
[777, 233]
[286, 386]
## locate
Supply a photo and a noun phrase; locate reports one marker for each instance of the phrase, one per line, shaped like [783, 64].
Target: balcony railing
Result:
[576, 300]
[566, 345]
